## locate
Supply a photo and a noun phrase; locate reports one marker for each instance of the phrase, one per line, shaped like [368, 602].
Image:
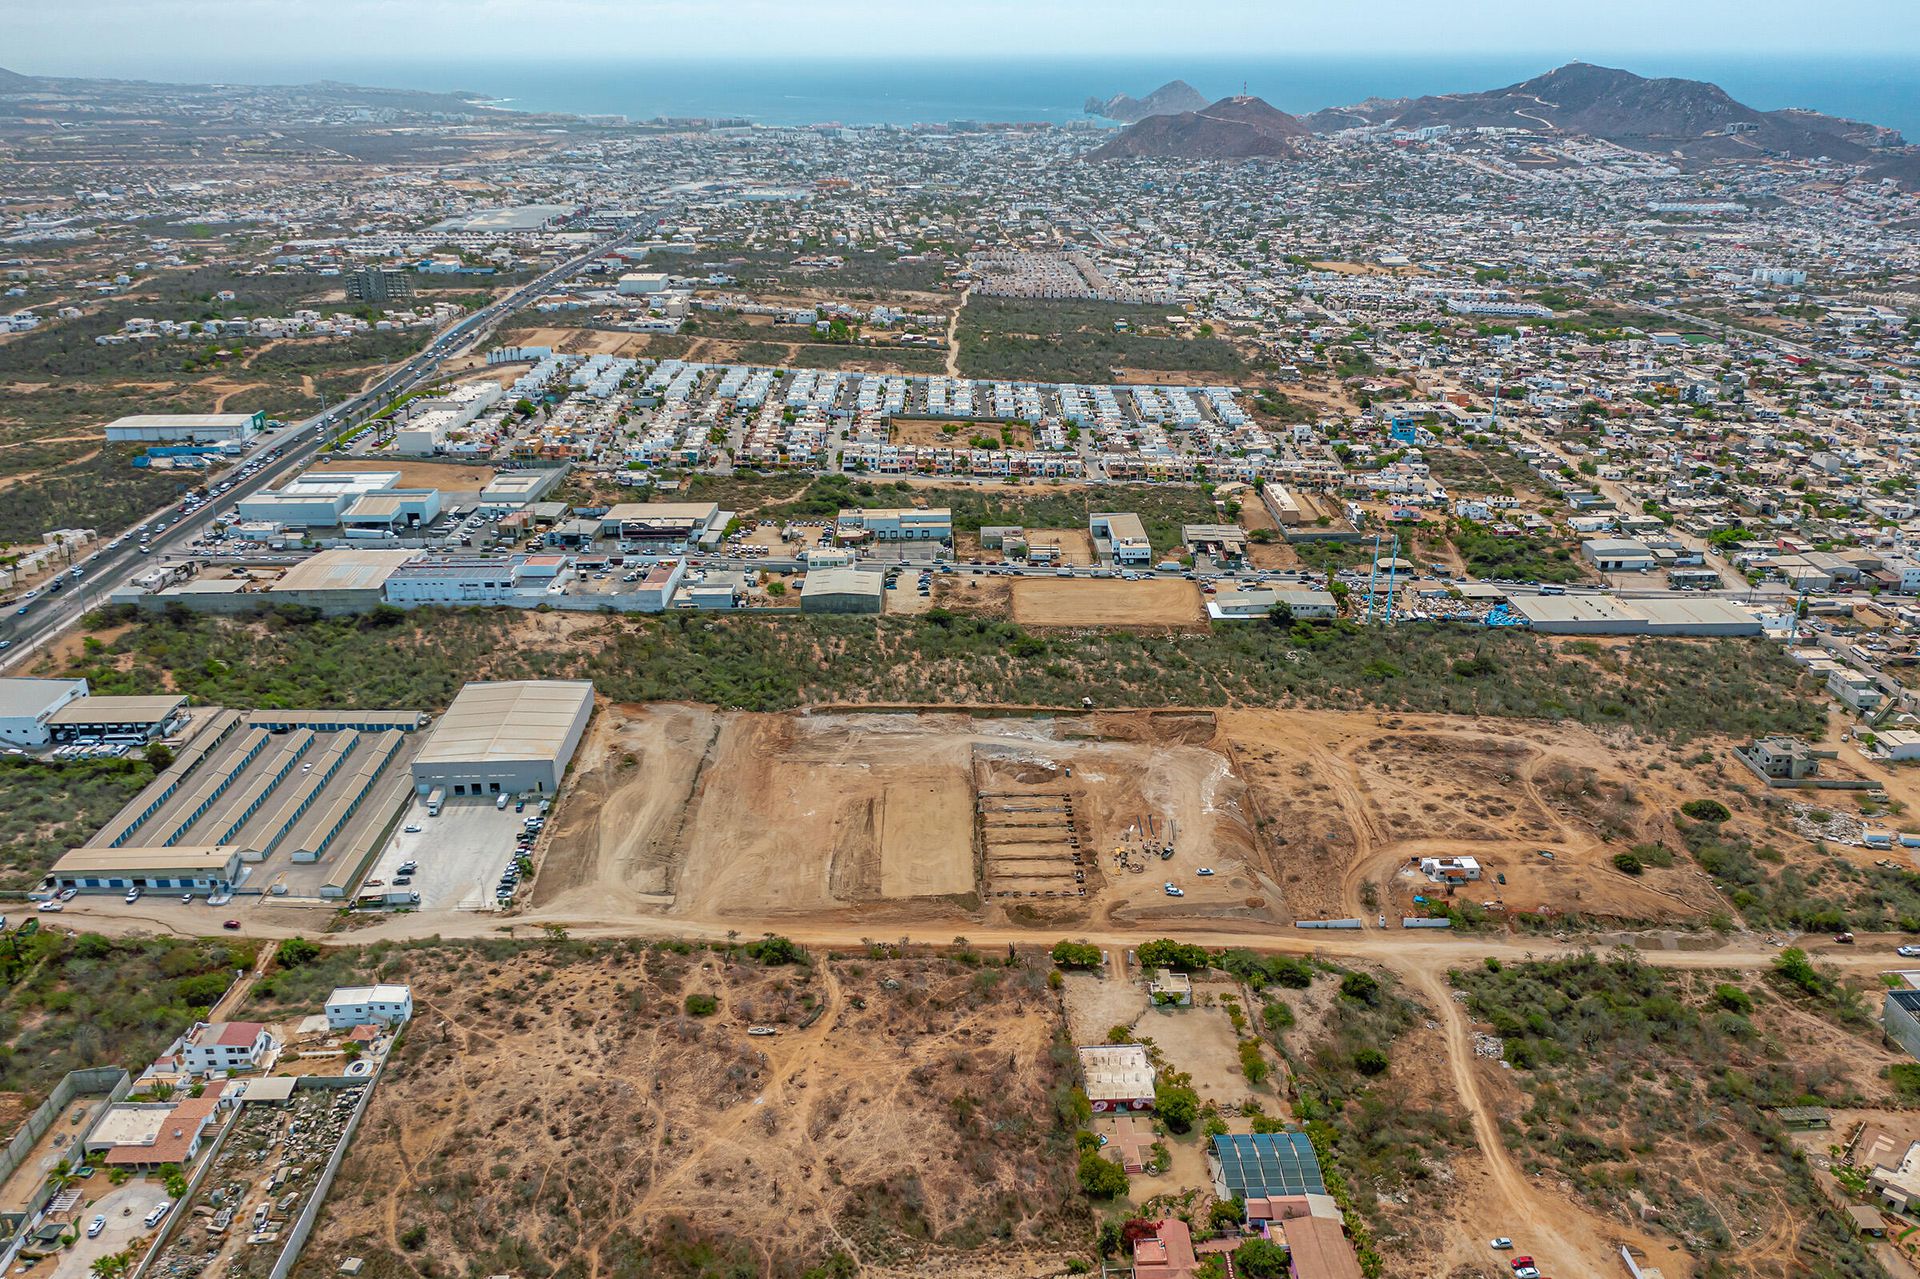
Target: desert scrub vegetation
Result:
[1629, 1075]
[88, 1000]
[1382, 1142]
[49, 806]
[1817, 892]
[1676, 689]
[1075, 341]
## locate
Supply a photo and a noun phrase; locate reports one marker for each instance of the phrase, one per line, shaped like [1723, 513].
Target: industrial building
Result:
[197, 868]
[515, 489]
[1306, 605]
[895, 524]
[341, 581]
[1606, 615]
[305, 792]
[1120, 538]
[477, 579]
[185, 428]
[505, 738]
[118, 719]
[28, 705]
[639, 283]
[842, 590]
[316, 499]
[664, 526]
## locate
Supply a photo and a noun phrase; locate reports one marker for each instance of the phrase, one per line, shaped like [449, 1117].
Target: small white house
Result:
[350, 1006]
[1440, 869]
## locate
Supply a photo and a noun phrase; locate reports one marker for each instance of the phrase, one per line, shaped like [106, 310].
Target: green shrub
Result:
[1706, 810]
[1100, 1177]
[699, 1005]
[1628, 864]
[1070, 954]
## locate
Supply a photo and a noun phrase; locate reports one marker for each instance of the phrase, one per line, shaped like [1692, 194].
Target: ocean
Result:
[909, 91]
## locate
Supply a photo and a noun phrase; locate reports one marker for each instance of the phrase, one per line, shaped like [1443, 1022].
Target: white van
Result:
[501, 802]
[159, 1210]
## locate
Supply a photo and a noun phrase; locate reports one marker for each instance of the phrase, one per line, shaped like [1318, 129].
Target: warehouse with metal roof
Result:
[505, 738]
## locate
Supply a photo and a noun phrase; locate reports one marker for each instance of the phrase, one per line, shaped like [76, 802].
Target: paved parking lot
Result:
[460, 854]
[123, 1228]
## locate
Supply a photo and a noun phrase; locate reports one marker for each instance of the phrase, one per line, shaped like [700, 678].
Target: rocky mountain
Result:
[1238, 128]
[13, 81]
[1665, 115]
[1170, 98]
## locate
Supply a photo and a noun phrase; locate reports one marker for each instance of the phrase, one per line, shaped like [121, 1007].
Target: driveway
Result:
[123, 1228]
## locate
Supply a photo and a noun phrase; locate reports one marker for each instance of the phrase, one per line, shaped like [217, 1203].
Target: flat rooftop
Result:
[118, 710]
[507, 722]
[342, 570]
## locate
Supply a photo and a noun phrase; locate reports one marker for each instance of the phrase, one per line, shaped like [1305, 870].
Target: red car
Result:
[234, 924]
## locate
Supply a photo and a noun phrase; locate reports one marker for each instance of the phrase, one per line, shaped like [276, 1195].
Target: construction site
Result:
[1108, 817]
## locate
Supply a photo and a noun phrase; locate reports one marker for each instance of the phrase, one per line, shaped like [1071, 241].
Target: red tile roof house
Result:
[216, 1047]
[1170, 1253]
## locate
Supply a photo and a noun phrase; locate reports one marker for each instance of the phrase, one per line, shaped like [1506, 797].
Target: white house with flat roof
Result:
[350, 1006]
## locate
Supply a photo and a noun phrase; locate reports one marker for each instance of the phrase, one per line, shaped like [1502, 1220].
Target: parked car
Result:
[95, 1226]
[232, 925]
[1907, 952]
[133, 895]
[1501, 1244]
[159, 1210]
[1523, 1268]
[55, 904]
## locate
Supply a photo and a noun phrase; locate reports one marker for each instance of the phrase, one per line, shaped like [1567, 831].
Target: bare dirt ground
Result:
[898, 818]
[1160, 602]
[1351, 805]
[454, 477]
[557, 1110]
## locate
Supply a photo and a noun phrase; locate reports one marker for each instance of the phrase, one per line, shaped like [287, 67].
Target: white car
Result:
[1907, 952]
[1173, 891]
[95, 1226]
[1502, 1244]
[53, 905]
[159, 1210]
[411, 828]
[133, 895]
[1204, 870]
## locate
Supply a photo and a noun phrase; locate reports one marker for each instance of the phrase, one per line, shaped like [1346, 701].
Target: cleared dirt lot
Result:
[454, 477]
[1063, 602]
[553, 1110]
[901, 817]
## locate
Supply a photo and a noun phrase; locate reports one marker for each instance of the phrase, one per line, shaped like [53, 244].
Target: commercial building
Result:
[1618, 554]
[185, 428]
[664, 527]
[340, 581]
[636, 283]
[505, 738]
[316, 499]
[118, 719]
[197, 868]
[842, 590]
[1606, 615]
[1120, 538]
[350, 1006]
[512, 490]
[1306, 605]
[27, 707]
[476, 579]
[895, 524]
[1225, 544]
[1118, 1077]
[391, 512]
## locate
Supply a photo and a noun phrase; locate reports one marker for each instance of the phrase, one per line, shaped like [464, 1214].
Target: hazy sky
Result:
[129, 37]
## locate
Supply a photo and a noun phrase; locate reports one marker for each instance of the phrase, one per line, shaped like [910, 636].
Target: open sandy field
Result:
[1039, 601]
[554, 1110]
